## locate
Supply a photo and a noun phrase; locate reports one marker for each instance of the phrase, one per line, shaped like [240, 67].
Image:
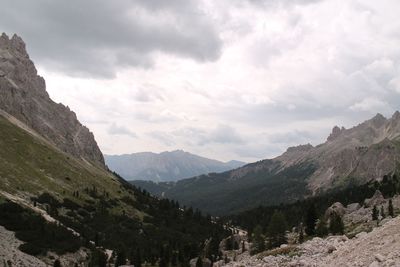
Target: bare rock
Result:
[379, 257]
[336, 131]
[23, 95]
[376, 199]
[374, 264]
[352, 207]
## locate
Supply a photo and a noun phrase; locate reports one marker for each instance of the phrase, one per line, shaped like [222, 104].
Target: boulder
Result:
[336, 208]
[352, 207]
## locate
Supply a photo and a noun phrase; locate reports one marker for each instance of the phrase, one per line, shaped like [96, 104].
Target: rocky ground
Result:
[380, 247]
[369, 246]
[10, 255]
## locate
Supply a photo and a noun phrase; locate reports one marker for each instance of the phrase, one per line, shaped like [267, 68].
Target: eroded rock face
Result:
[23, 95]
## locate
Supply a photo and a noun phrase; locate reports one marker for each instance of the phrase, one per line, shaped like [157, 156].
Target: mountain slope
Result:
[166, 166]
[59, 200]
[354, 156]
[23, 95]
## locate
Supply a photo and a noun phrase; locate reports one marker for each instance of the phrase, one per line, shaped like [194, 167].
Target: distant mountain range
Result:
[166, 166]
[349, 157]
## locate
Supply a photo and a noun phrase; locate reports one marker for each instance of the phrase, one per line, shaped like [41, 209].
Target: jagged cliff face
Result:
[356, 155]
[23, 95]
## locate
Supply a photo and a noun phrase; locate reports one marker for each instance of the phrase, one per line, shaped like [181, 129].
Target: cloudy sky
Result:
[226, 79]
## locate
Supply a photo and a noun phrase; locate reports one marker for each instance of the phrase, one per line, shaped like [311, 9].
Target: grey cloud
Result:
[162, 137]
[223, 134]
[115, 129]
[96, 38]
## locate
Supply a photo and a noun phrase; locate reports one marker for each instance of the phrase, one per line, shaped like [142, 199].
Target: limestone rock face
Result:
[23, 95]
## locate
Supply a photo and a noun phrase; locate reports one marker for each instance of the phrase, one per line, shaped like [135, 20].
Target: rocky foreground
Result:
[371, 246]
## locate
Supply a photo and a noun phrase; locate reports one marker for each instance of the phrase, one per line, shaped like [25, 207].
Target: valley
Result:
[199, 133]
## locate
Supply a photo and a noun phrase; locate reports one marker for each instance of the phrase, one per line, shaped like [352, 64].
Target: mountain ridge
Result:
[165, 166]
[356, 155]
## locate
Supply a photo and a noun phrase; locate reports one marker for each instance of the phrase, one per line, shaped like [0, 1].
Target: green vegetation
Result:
[39, 235]
[375, 213]
[255, 221]
[220, 194]
[277, 230]
[99, 205]
[258, 240]
[321, 229]
[336, 224]
[390, 208]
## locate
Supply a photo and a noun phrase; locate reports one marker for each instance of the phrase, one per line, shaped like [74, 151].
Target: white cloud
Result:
[279, 72]
[369, 104]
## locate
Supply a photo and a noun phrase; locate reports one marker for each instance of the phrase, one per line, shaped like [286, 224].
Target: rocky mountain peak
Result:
[299, 148]
[23, 95]
[378, 120]
[336, 132]
[396, 116]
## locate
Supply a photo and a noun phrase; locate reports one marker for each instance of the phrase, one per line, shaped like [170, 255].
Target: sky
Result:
[226, 79]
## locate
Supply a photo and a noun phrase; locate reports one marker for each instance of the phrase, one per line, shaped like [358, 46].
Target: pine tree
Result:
[277, 229]
[243, 247]
[336, 224]
[322, 228]
[226, 260]
[301, 234]
[311, 220]
[137, 260]
[258, 240]
[375, 213]
[228, 243]
[199, 262]
[383, 212]
[174, 259]
[57, 263]
[121, 258]
[390, 208]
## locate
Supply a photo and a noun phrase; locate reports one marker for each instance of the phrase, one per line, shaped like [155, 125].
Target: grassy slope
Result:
[30, 166]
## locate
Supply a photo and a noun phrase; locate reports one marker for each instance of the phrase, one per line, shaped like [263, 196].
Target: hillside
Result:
[57, 203]
[349, 156]
[165, 166]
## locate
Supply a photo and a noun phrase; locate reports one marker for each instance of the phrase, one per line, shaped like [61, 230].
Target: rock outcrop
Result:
[375, 200]
[23, 95]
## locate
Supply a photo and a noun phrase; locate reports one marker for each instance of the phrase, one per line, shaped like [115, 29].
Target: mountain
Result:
[58, 201]
[166, 166]
[357, 155]
[23, 95]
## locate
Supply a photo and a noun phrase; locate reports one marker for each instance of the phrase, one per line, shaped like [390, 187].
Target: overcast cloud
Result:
[224, 79]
